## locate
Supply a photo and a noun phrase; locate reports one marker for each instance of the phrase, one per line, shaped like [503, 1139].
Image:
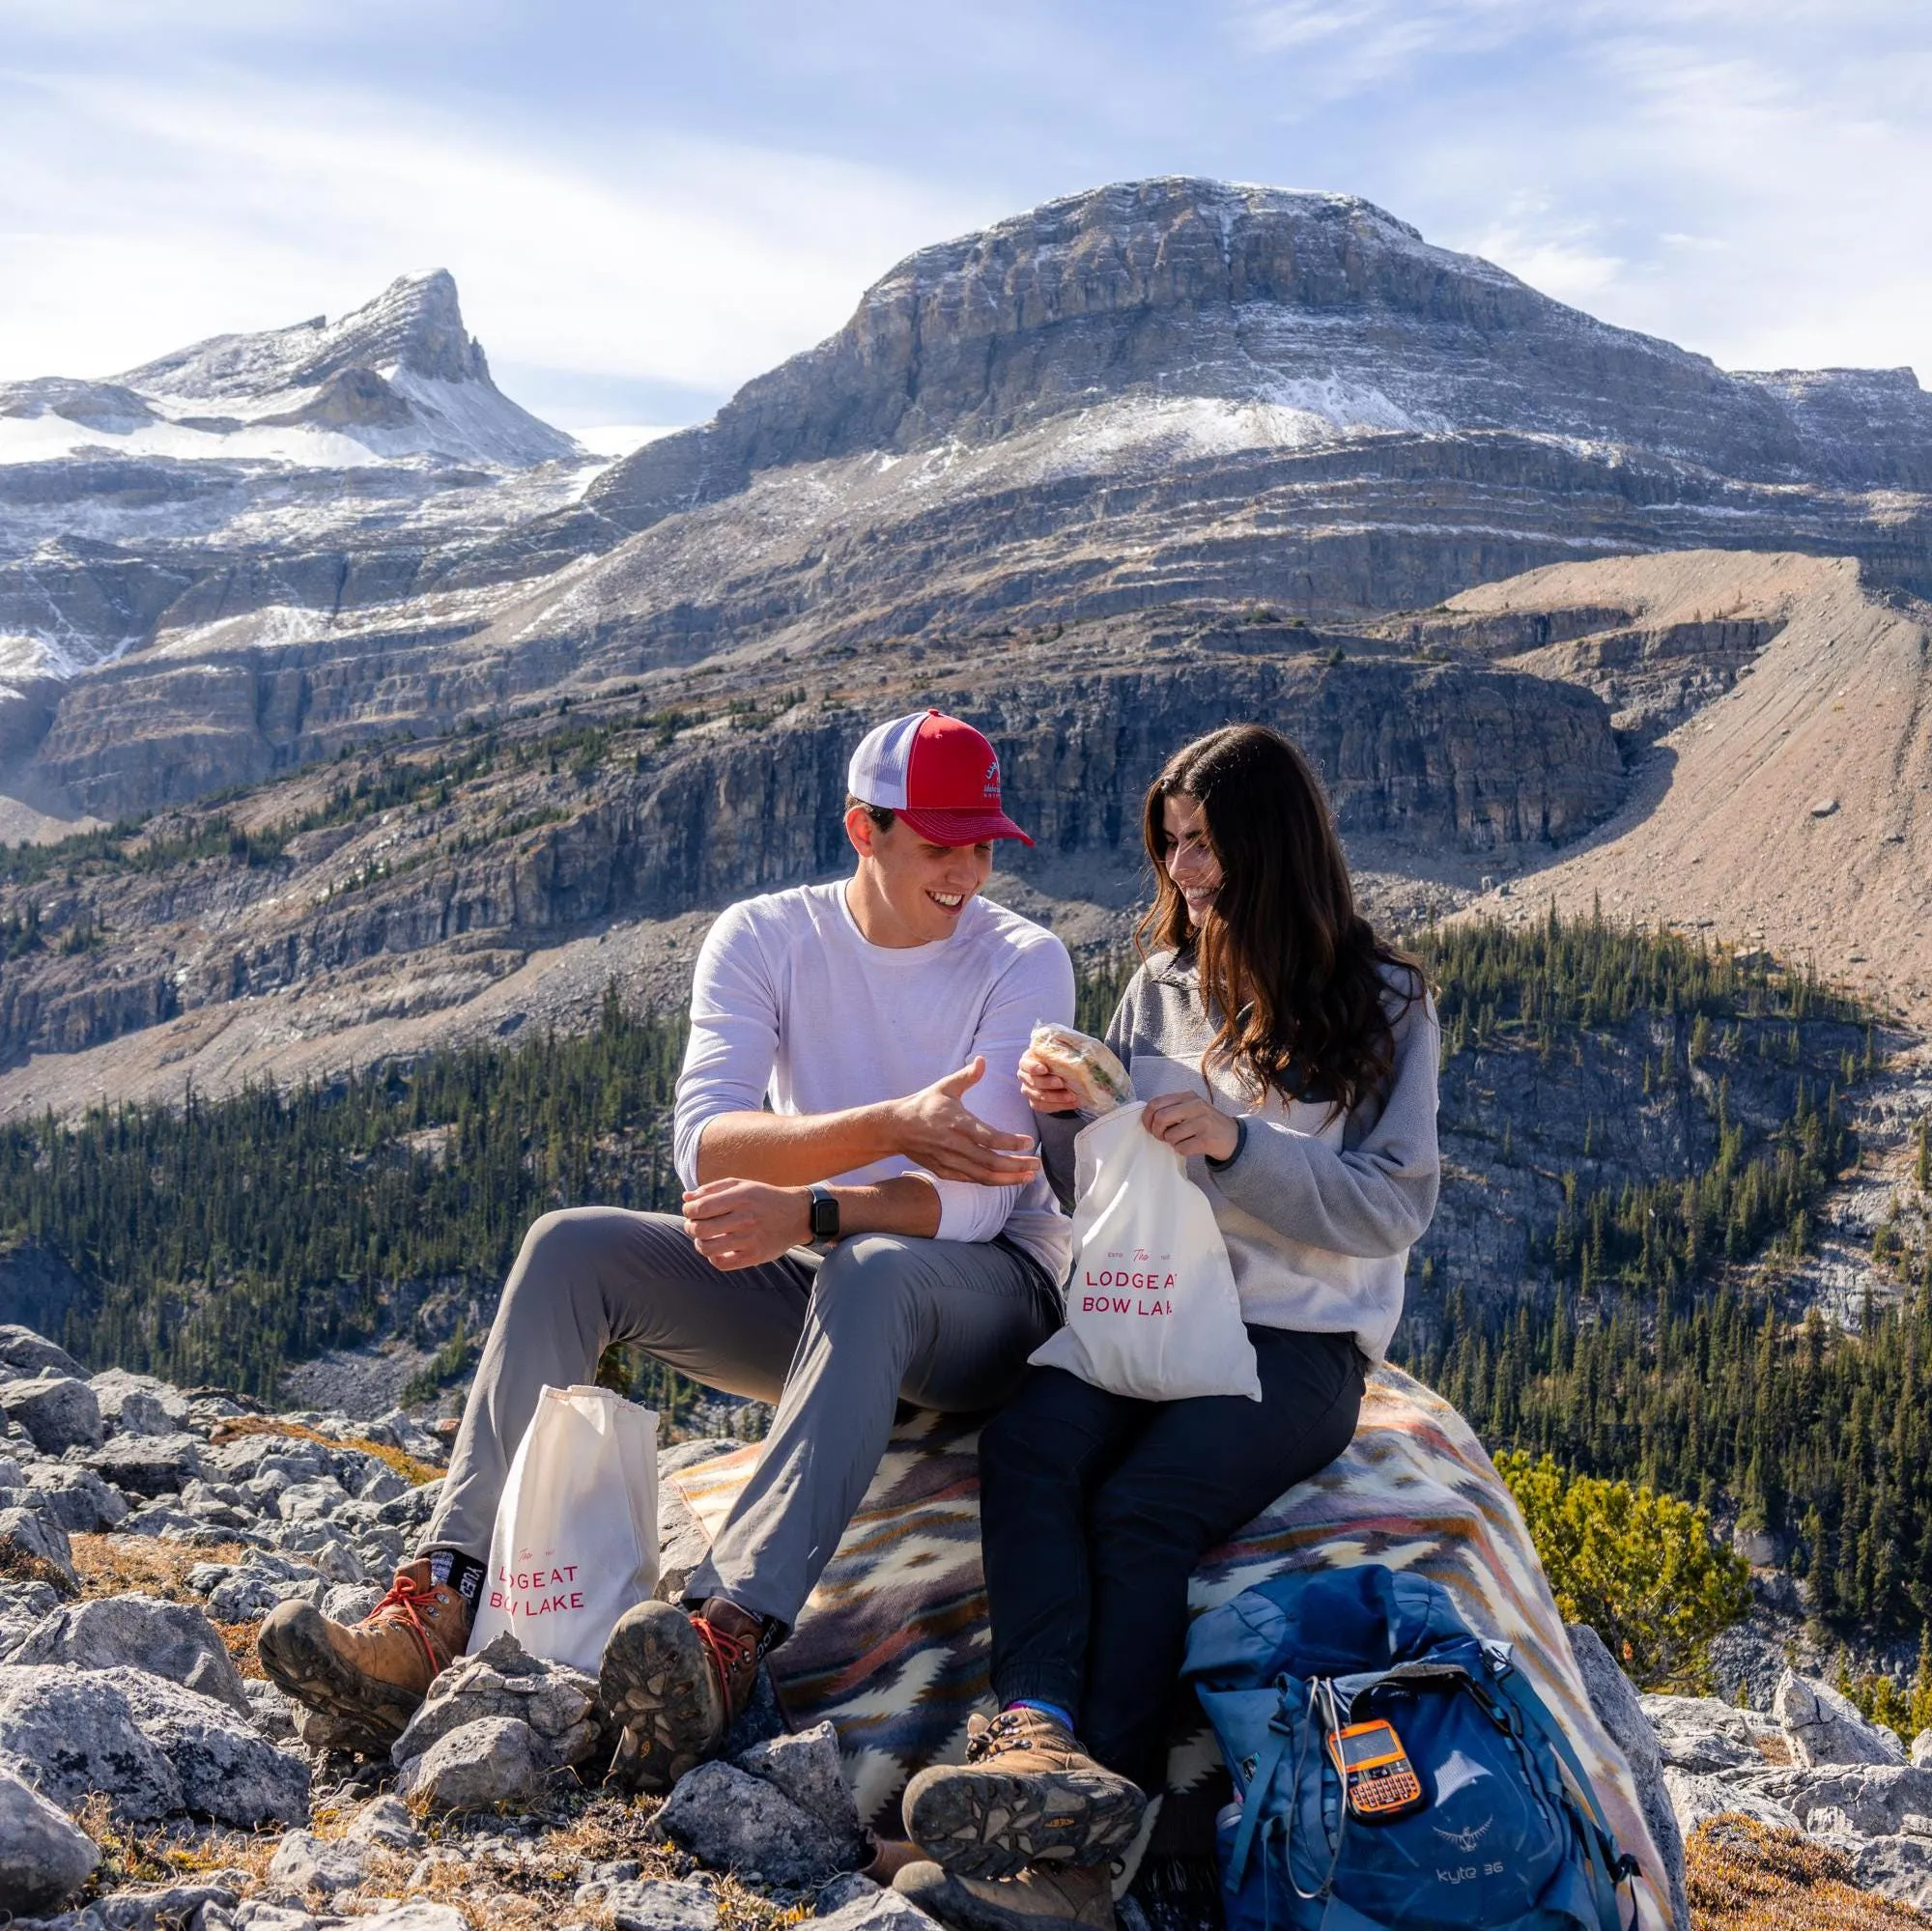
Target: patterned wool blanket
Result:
[892, 1646]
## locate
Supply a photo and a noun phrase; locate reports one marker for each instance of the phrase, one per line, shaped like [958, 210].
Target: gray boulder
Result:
[1614, 1699]
[164, 1638]
[682, 1543]
[1898, 1868]
[156, 1519]
[26, 1352]
[805, 1767]
[162, 1908]
[261, 1914]
[138, 1404]
[493, 1760]
[1695, 1799]
[247, 1592]
[841, 1891]
[380, 1483]
[227, 1769]
[1746, 1667]
[338, 1563]
[351, 1602]
[78, 1730]
[738, 1823]
[1703, 1735]
[22, 1605]
[1874, 1799]
[385, 1822]
[270, 1710]
[57, 1411]
[657, 1905]
[1825, 1727]
[556, 1703]
[1919, 1754]
[44, 1854]
[881, 1911]
[311, 1501]
[394, 1429]
[75, 1497]
[414, 1916]
[305, 1862]
[35, 1548]
[149, 1464]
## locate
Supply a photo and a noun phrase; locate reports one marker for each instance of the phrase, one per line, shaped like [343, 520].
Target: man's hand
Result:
[746, 1223]
[934, 1129]
[1190, 1125]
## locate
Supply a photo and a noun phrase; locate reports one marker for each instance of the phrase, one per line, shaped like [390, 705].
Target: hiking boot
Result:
[1042, 1897]
[676, 1680]
[369, 1675]
[1026, 1794]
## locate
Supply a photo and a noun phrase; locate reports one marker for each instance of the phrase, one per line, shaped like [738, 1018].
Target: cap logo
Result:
[992, 786]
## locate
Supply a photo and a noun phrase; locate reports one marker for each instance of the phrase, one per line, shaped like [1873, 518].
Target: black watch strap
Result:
[824, 1214]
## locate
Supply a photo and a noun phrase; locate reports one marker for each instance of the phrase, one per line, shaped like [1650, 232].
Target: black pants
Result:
[1095, 1508]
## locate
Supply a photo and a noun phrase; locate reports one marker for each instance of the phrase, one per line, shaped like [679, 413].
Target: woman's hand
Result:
[1042, 1089]
[1189, 1124]
[746, 1223]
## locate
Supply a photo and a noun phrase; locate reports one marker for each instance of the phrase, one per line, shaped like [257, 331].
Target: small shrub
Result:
[1641, 1569]
[1742, 1876]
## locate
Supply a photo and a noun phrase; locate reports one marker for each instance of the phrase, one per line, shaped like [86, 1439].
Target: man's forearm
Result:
[790, 1149]
[907, 1205]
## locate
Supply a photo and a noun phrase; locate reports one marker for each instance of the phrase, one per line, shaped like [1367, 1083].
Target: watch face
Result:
[824, 1216]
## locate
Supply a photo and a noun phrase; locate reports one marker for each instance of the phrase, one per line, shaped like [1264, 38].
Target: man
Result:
[868, 1012]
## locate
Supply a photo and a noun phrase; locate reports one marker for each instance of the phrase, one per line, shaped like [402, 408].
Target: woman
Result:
[1291, 1056]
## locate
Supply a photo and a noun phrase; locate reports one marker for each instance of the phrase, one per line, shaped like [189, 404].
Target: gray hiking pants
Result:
[835, 1343]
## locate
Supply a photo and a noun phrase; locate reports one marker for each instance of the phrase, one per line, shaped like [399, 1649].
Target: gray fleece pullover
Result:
[1318, 1211]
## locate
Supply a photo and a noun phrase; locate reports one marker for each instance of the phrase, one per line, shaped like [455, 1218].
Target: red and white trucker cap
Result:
[939, 774]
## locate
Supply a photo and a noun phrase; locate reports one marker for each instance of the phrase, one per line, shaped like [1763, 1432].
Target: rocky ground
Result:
[149, 1777]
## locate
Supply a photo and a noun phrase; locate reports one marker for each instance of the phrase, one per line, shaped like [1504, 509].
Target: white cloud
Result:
[233, 205]
[1746, 177]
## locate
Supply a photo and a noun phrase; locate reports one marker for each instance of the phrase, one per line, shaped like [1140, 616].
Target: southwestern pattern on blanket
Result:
[892, 1646]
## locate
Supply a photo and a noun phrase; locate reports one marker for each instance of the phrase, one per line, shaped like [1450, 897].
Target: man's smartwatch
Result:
[824, 1214]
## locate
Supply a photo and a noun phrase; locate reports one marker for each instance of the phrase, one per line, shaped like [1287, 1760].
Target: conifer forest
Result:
[1649, 1335]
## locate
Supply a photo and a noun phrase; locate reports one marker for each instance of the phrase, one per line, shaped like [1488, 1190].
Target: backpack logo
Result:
[1465, 1840]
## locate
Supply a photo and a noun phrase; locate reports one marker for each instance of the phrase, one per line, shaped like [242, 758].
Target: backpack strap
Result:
[1609, 1863]
[1268, 1760]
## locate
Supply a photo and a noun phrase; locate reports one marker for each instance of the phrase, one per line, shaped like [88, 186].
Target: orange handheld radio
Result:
[1379, 1783]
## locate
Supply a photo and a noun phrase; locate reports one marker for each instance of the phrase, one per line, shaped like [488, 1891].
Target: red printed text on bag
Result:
[522, 1593]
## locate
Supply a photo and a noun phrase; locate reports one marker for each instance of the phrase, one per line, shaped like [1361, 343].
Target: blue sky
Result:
[644, 205]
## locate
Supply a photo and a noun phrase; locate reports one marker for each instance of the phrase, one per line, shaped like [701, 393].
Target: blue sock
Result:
[1064, 1718]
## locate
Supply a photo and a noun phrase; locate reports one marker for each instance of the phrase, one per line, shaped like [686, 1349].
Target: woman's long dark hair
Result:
[1290, 972]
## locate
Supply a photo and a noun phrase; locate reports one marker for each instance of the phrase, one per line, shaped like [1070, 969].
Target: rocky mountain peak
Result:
[399, 376]
[1177, 241]
[414, 325]
[1202, 316]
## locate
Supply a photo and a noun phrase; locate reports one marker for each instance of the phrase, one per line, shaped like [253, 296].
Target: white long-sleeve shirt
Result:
[791, 1001]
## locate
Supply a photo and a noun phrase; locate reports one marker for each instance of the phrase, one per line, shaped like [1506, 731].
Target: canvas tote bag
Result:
[576, 1541]
[1152, 1306]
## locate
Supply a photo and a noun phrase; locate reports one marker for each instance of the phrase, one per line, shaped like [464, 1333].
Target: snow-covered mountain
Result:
[1162, 389]
[1182, 318]
[399, 376]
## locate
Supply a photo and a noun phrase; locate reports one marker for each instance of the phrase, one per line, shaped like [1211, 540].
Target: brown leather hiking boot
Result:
[369, 1675]
[1043, 1897]
[676, 1680]
[1026, 1794]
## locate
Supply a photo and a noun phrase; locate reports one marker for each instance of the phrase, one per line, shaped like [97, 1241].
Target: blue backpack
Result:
[1501, 1842]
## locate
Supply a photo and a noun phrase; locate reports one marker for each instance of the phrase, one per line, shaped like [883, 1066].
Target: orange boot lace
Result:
[399, 1605]
[728, 1652]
